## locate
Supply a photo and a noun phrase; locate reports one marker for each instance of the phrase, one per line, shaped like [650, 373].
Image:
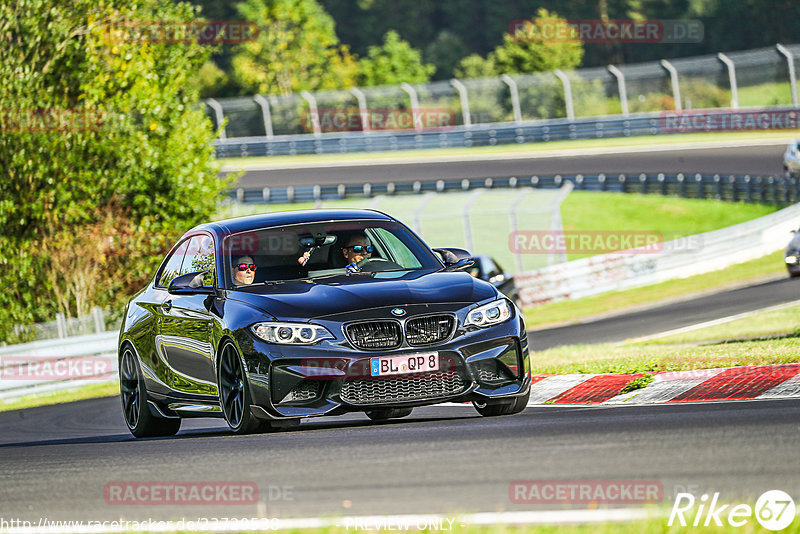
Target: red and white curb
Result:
[732, 383]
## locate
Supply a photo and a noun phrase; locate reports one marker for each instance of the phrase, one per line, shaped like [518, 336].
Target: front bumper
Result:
[333, 378]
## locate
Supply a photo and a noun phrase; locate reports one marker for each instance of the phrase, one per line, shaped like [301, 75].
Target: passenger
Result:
[244, 271]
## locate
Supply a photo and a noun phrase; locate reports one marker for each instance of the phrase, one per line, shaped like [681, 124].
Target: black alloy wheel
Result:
[138, 417]
[234, 393]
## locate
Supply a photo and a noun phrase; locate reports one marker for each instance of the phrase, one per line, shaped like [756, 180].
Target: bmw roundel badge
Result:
[399, 312]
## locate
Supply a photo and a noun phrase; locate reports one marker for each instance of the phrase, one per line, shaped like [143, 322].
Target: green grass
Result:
[749, 341]
[574, 311]
[525, 148]
[771, 324]
[765, 94]
[672, 217]
[58, 397]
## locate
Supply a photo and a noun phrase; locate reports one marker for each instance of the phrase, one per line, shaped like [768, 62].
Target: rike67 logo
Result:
[774, 510]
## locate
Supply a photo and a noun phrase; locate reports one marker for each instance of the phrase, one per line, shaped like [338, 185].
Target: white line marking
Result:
[715, 322]
[501, 156]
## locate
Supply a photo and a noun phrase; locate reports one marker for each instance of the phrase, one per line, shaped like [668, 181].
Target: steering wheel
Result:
[373, 265]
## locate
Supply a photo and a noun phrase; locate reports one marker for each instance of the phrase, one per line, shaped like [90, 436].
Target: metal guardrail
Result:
[57, 364]
[736, 188]
[458, 136]
[509, 133]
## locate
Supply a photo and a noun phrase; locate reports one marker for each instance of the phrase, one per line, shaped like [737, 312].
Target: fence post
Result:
[567, 93]
[99, 320]
[676, 88]
[512, 220]
[266, 114]
[418, 213]
[363, 110]
[555, 222]
[514, 91]
[61, 325]
[623, 91]
[312, 109]
[792, 76]
[220, 117]
[732, 77]
[464, 97]
[467, 223]
[414, 100]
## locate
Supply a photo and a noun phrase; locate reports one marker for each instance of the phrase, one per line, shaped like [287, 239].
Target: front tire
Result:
[133, 393]
[492, 409]
[234, 392]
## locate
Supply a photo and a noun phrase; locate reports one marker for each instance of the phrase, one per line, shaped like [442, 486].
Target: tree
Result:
[533, 50]
[296, 49]
[474, 66]
[392, 63]
[444, 53]
[100, 136]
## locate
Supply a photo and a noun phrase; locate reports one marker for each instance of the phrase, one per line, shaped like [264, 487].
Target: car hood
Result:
[300, 300]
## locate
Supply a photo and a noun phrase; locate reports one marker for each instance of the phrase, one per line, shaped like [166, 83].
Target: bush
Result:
[102, 135]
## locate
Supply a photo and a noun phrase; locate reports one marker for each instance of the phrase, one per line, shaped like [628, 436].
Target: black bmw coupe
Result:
[265, 320]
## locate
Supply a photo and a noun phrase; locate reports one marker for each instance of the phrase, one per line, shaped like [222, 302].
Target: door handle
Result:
[167, 305]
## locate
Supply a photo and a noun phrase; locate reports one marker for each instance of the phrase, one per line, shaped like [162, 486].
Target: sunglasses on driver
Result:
[246, 266]
[362, 248]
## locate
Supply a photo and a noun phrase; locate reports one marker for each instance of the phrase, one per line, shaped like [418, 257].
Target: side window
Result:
[396, 251]
[200, 257]
[172, 268]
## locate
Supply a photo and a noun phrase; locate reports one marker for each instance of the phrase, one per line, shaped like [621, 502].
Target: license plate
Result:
[401, 365]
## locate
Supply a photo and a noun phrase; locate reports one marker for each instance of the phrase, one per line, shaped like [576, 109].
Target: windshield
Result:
[308, 251]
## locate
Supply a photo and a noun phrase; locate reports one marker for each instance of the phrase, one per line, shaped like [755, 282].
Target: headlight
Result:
[489, 314]
[291, 333]
[791, 259]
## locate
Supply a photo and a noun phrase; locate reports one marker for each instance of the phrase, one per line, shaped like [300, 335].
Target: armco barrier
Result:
[57, 364]
[508, 133]
[745, 188]
[679, 258]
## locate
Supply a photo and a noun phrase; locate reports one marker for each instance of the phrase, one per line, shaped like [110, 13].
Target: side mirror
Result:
[190, 284]
[455, 259]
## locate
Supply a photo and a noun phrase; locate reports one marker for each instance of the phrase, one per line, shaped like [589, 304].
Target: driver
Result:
[244, 271]
[357, 249]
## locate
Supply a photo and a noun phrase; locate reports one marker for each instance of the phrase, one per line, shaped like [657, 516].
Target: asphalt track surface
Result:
[766, 159]
[672, 316]
[55, 461]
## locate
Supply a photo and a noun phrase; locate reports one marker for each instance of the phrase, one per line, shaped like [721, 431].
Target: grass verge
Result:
[525, 148]
[751, 341]
[58, 397]
[574, 311]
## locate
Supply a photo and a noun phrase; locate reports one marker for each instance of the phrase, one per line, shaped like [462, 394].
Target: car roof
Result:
[266, 220]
